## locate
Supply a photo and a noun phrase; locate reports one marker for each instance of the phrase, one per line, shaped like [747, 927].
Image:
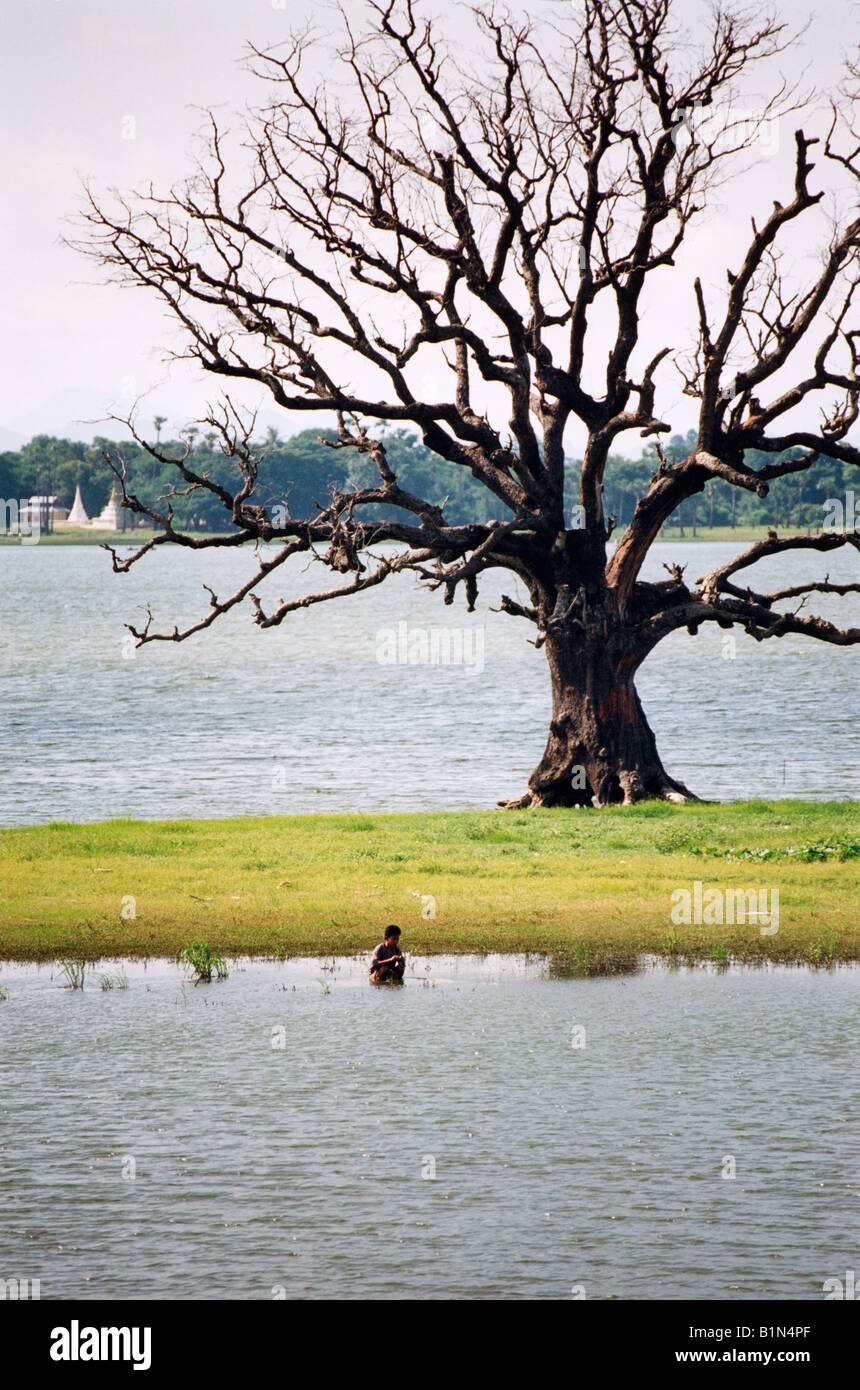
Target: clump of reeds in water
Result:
[116, 979]
[74, 971]
[204, 962]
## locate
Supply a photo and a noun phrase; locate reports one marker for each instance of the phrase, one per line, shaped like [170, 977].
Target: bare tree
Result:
[482, 214]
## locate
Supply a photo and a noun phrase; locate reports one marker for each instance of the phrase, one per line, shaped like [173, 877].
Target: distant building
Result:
[112, 517]
[45, 513]
[78, 515]
[42, 511]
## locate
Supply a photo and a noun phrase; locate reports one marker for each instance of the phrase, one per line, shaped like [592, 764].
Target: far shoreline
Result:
[742, 534]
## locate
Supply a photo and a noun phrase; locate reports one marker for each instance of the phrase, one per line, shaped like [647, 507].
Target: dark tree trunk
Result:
[601, 750]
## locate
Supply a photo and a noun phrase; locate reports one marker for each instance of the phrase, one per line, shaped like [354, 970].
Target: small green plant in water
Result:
[721, 957]
[74, 971]
[672, 943]
[4, 993]
[116, 980]
[204, 962]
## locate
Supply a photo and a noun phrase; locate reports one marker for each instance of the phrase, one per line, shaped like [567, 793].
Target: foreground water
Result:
[311, 716]
[284, 1126]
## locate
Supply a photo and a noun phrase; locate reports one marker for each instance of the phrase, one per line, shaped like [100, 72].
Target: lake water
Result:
[306, 1167]
[306, 717]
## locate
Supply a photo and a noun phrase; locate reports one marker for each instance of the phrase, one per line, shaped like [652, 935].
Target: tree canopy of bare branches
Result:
[424, 237]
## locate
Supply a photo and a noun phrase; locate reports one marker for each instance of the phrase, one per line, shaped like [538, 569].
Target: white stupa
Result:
[78, 515]
[111, 518]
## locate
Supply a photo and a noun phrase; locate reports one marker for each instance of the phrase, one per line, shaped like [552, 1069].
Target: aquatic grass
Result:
[74, 971]
[203, 961]
[116, 979]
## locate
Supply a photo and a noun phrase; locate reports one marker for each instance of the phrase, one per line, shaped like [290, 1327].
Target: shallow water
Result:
[305, 717]
[298, 1168]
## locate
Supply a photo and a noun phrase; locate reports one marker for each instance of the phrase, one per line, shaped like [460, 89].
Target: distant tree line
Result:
[302, 471]
[796, 500]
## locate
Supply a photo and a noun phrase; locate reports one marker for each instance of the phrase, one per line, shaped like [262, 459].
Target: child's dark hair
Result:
[391, 931]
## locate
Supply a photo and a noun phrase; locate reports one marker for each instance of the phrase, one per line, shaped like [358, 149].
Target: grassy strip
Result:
[84, 536]
[740, 534]
[592, 887]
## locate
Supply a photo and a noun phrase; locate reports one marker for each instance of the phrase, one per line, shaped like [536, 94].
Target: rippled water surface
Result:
[298, 1168]
[305, 718]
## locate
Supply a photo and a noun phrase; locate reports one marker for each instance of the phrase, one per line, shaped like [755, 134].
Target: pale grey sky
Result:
[74, 71]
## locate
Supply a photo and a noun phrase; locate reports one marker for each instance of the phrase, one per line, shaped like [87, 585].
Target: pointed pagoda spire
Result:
[78, 515]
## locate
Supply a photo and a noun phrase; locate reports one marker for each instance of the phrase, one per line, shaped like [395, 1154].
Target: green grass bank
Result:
[592, 887]
[83, 536]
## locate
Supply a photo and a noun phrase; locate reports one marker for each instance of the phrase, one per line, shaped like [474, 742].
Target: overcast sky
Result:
[74, 71]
